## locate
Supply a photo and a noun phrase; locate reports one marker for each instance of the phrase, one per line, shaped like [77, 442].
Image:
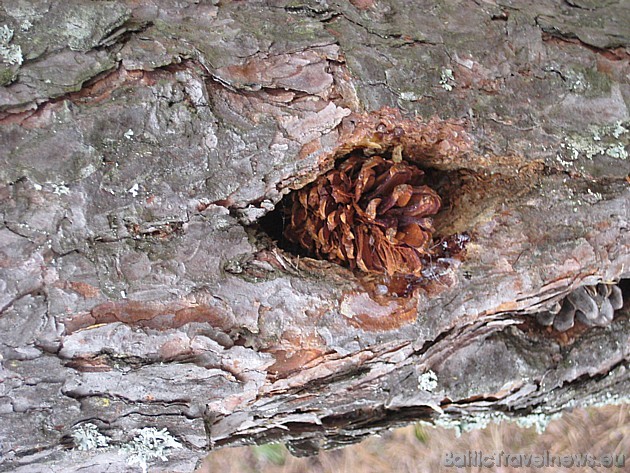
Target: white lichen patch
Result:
[609, 399]
[619, 130]
[9, 53]
[447, 79]
[60, 189]
[87, 437]
[87, 171]
[133, 190]
[427, 381]
[592, 197]
[148, 445]
[539, 421]
[609, 140]
[409, 96]
[26, 25]
[467, 424]
[618, 151]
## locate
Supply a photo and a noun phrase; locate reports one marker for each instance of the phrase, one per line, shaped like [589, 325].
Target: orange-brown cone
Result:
[368, 213]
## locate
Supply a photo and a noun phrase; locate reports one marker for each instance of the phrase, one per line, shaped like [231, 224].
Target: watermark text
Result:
[482, 459]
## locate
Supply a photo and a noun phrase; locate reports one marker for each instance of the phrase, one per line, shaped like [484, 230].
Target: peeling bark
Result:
[145, 146]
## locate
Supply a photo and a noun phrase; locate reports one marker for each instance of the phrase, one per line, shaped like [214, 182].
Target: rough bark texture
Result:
[142, 142]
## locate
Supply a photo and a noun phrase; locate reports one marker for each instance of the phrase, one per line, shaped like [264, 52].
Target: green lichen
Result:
[587, 82]
[598, 83]
[7, 75]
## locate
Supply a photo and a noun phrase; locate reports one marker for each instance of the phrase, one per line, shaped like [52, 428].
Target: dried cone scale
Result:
[368, 213]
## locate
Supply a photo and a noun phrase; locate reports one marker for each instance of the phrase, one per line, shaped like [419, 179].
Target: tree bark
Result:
[144, 286]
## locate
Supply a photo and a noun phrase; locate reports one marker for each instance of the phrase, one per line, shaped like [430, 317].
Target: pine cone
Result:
[368, 213]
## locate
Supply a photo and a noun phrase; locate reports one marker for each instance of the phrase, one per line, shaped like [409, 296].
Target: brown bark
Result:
[143, 281]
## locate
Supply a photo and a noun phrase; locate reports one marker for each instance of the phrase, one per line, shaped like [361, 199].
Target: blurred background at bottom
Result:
[422, 448]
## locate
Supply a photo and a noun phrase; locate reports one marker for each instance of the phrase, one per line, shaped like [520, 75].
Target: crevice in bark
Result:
[612, 54]
[452, 184]
[38, 291]
[96, 89]
[117, 38]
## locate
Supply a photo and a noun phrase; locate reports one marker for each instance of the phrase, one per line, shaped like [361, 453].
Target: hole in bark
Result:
[374, 213]
[395, 239]
[274, 224]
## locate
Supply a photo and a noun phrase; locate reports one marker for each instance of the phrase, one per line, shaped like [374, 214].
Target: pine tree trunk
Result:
[145, 281]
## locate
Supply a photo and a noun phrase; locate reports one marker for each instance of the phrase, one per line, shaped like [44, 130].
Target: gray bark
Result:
[142, 142]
